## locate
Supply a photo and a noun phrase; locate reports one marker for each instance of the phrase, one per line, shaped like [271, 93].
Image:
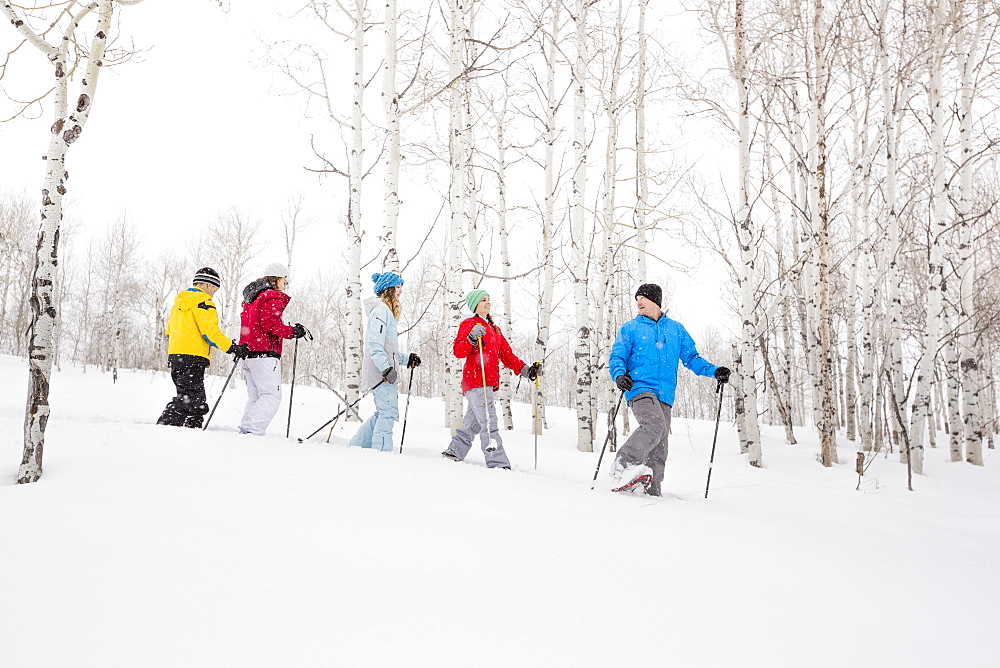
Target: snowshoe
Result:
[638, 484]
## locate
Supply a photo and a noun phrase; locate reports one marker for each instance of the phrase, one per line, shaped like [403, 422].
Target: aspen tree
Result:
[641, 172]
[779, 382]
[458, 206]
[819, 213]
[550, 50]
[354, 336]
[390, 106]
[317, 87]
[613, 102]
[952, 403]
[920, 411]
[501, 119]
[890, 107]
[860, 308]
[70, 121]
[583, 392]
[967, 48]
[749, 426]
[118, 265]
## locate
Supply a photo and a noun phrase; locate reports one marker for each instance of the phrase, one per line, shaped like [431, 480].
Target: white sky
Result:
[197, 126]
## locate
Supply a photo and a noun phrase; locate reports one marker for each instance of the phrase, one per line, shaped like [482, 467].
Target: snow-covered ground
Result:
[158, 546]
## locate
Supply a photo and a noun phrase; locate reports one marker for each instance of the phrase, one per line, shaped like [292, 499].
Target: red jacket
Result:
[261, 327]
[495, 350]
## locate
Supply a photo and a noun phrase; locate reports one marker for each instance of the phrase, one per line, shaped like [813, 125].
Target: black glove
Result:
[531, 371]
[298, 331]
[624, 382]
[390, 375]
[239, 350]
[413, 362]
[722, 374]
[476, 332]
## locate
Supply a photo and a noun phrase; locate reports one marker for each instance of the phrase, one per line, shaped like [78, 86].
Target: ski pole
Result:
[228, 378]
[537, 426]
[302, 440]
[291, 392]
[486, 400]
[711, 459]
[406, 413]
[614, 414]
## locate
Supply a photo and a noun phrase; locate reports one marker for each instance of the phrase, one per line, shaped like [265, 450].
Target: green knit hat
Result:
[473, 298]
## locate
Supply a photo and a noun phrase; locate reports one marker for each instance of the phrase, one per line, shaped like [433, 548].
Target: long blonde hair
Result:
[389, 297]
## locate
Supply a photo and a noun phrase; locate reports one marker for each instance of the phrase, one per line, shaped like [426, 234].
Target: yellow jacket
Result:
[194, 325]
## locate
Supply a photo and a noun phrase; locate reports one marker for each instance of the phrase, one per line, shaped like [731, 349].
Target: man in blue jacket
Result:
[643, 364]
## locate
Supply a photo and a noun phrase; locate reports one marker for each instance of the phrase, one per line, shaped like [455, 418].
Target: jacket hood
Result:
[371, 303]
[253, 290]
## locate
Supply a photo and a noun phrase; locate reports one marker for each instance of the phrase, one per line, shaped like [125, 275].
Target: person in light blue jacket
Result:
[382, 362]
[643, 363]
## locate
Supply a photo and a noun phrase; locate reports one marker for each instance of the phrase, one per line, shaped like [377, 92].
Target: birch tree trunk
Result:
[458, 209]
[952, 377]
[352, 288]
[66, 129]
[641, 173]
[603, 324]
[895, 391]
[747, 423]
[583, 393]
[390, 105]
[969, 364]
[501, 175]
[545, 288]
[780, 381]
[920, 412]
[820, 206]
[869, 301]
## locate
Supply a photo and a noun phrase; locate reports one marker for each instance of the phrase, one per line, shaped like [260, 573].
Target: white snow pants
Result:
[263, 376]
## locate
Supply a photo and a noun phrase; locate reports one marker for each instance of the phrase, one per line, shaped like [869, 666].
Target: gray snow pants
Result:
[648, 443]
[475, 422]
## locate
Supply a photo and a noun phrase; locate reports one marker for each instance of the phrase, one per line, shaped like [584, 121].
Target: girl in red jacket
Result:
[262, 331]
[482, 344]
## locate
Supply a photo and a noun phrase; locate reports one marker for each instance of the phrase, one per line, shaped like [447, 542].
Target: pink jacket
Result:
[261, 327]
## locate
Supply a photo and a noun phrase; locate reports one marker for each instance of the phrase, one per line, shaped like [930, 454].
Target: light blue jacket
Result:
[649, 350]
[381, 344]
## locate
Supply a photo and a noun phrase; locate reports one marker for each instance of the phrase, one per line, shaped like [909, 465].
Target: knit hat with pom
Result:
[389, 279]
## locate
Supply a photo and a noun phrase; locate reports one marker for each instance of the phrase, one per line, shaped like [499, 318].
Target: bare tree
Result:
[68, 55]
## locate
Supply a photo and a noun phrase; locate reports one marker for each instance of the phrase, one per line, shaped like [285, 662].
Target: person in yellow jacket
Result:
[193, 331]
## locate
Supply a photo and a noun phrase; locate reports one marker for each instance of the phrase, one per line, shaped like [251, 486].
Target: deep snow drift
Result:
[158, 546]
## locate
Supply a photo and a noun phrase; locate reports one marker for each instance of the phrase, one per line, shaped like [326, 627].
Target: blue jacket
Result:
[649, 350]
[381, 345]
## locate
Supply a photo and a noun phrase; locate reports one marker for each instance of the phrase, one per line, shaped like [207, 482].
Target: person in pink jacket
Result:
[262, 331]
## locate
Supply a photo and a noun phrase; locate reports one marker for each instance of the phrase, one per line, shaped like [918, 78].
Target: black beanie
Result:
[652, 292]
[207, 275]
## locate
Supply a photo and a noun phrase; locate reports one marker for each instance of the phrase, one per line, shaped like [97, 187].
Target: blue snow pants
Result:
[376, 432]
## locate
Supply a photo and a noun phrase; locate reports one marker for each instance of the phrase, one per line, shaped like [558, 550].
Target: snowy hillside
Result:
[157, 546]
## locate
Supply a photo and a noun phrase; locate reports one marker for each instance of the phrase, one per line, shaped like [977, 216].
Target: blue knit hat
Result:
[389, 279]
